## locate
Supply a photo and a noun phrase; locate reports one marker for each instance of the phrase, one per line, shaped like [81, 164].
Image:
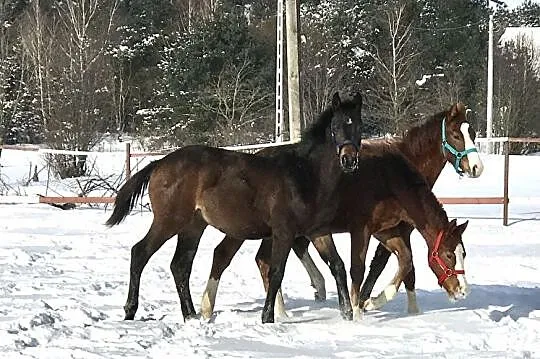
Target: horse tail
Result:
[129, 193]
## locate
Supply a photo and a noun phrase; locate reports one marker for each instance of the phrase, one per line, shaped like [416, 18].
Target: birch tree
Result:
[393, 93]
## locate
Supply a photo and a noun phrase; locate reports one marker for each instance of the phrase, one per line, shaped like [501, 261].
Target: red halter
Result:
[434, 257]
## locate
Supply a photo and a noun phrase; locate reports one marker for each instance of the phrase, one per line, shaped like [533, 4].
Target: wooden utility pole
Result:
[279, 73]
[293, 74]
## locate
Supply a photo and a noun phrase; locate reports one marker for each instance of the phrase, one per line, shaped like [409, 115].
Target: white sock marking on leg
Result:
[358, 313]
[384, 297]
[209, 298]
[279, 306]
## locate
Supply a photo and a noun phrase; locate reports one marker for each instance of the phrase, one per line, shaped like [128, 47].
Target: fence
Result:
[502, 143]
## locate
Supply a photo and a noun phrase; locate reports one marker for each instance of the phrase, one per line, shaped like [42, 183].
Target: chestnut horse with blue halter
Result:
[245, 196]
[446, 136]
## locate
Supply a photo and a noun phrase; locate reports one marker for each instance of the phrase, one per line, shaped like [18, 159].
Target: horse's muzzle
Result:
[348, 157]
[349, 163]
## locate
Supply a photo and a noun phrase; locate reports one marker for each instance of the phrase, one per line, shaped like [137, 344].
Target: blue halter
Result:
[458, 154]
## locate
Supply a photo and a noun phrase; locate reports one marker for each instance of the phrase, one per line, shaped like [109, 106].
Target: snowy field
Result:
[64, 275]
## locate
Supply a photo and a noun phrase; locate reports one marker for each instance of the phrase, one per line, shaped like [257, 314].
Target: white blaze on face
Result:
[473, 157]
[460, 265]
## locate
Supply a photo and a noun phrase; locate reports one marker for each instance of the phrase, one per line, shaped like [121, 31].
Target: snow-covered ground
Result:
[63, 282]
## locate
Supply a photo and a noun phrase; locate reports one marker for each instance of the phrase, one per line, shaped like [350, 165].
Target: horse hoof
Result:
[129, 316]
[369, 305]
[267, 317]
[347, 315]
[358, 314]
[320, 297]
[413, 311]
[206, 315]
[191, 316]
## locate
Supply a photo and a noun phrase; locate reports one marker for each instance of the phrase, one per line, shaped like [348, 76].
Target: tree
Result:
[238, 105]
[517, 79]
[200, 63]
[393, 94]
[332, 51]
[66, 43]
[19, 121]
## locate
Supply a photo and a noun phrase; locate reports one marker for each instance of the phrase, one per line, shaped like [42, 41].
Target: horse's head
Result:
[446, 260]
[458, 142]
[346, 130]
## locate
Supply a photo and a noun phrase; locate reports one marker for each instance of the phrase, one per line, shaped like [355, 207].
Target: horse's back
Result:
[233, 191]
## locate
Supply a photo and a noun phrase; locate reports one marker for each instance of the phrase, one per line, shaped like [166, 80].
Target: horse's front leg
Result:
[328, 252]
[410, 280]
[263, 259]
[395, 245]
[282, 242]
[359, 247]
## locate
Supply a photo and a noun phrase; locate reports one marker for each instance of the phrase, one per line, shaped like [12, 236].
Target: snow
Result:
[64, 281]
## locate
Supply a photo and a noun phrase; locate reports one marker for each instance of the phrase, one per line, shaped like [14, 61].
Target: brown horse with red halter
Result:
[246, 196]
[446, 136]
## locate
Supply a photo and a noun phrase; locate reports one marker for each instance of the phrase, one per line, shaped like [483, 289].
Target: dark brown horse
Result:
[446, 136]
[245, 196]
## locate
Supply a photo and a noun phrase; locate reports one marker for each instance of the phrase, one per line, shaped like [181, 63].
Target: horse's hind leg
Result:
[223, 254]
[379, 261]
[140, 254]
[397, 246]
[328, 252]
[182, 263]
[300, 248]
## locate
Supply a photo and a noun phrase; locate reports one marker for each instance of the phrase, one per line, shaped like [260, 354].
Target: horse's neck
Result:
[327, 170]
[425, 211]
[423, 147]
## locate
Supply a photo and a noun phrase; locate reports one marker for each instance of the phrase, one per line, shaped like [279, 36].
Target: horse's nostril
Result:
[474, 170]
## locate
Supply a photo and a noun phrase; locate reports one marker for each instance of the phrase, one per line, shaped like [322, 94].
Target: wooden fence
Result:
[504, 199]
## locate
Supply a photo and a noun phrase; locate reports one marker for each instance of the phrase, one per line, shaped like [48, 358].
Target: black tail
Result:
[129, 193]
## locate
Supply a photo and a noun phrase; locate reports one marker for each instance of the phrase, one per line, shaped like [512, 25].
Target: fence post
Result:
[128, 161]
[506, 172]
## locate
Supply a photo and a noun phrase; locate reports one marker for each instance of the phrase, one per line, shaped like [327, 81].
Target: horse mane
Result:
[316, 133]
[415, 139]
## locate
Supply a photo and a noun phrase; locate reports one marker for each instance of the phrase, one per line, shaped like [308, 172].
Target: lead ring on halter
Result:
[458, 154]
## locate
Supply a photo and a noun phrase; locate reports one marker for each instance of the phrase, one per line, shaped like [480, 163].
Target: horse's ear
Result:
[336, 101]
[357, 99]
[452, 225]
[458, 108]
[462, 227]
